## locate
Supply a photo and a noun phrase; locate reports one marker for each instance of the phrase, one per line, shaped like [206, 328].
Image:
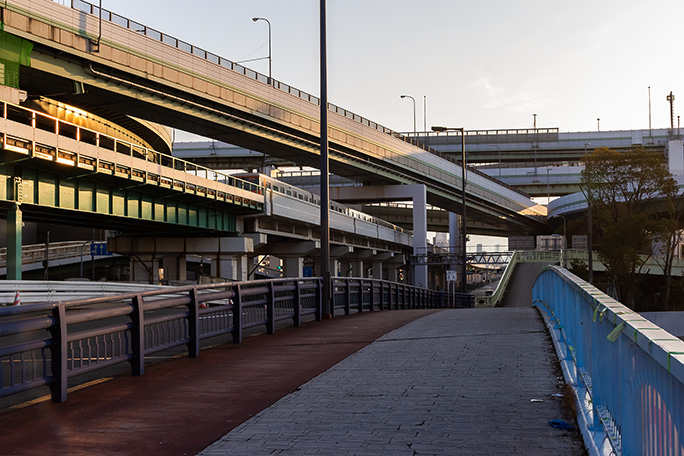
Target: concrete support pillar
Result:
[416, 193]
[293, 267]
[14, 242]
[420, 274]
[377, 270]
[231, 267]
[358, 269]
[175, 267]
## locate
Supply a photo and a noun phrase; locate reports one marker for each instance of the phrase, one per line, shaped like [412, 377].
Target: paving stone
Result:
[456, 382]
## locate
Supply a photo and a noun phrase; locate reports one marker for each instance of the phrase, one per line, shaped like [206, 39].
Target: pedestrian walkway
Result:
[458, 382]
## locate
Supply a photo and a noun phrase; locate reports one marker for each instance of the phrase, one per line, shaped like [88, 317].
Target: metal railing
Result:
[40, 122]
[627, 372]
[374, 294]
[50, 342]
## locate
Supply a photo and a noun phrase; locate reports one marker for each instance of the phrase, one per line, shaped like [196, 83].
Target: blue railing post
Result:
[237, 316]
[58, 351]
[137, 336]
[193, 325]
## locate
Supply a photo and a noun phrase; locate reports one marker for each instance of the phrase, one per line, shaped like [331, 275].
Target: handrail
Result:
[627, 372]
[97, 332]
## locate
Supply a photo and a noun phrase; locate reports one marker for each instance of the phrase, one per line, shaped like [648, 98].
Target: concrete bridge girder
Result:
[228, 254]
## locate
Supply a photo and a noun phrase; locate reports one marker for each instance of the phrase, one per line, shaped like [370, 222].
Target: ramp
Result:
[519, 291]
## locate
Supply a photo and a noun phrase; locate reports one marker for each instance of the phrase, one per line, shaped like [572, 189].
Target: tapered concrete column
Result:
[417, 194]
[14, 242]
[231, 267]
[358, 269]
[377, 270]
[175, 267]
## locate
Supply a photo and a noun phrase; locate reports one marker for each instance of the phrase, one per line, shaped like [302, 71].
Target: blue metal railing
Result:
[48, 343]
[628, 373]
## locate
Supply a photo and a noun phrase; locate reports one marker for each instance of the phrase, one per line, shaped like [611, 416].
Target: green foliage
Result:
[621, 188]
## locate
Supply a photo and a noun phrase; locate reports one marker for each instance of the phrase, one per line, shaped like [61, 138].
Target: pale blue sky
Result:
[481, 64]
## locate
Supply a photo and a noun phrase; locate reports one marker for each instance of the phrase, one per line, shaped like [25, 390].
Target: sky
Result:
[485, 64]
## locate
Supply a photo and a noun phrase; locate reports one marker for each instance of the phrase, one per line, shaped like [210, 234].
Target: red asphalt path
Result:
[182, 406]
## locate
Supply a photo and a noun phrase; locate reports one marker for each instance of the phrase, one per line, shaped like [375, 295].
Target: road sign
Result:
[99, 248]
[451, 276]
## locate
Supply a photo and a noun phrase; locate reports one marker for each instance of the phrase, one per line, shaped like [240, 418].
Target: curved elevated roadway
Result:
[129, 68]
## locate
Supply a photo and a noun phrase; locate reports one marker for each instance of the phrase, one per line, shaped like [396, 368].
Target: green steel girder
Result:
[89, 200]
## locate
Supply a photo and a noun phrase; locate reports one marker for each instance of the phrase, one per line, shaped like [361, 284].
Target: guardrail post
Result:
[297, 300]
[193, 325]
[360, 295]
[347, 297]
[270, 309]
[138, 336]
[371, 305]
[319, 300]
[58, 351]
[237, 316]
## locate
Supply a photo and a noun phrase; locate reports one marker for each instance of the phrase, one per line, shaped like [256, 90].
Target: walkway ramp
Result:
[519, 292]
[456, 382]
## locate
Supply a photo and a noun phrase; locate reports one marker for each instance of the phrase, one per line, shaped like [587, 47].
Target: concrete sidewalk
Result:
[459, 382]
[181, 406]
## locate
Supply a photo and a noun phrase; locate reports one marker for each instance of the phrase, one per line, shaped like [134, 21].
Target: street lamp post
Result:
[464, 288]
[414, 113]
[269, 44]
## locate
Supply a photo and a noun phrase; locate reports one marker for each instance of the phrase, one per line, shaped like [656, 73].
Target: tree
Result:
[621, 187]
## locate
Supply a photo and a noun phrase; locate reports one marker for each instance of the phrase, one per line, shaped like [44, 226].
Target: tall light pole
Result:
[425, 113]
[464, 288]
[414, 113]
[269, 44]
[327, 307]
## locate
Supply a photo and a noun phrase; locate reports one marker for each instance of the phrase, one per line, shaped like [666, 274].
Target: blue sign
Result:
[99, 248]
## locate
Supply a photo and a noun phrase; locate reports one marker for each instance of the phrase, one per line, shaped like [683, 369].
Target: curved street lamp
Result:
[269, 44]
[414, 113]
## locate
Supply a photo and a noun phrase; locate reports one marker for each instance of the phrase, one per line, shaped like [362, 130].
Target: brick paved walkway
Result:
[458, 382]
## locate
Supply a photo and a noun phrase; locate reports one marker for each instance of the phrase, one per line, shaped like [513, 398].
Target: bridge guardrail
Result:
[86, 335]
[628, 373]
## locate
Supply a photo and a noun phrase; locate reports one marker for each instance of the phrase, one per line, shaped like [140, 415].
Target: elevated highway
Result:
[126, 67]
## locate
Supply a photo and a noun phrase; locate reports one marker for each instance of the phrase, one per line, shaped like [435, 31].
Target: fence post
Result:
[237, 316]
[193, 325]
[382, 295]
[270, 309]
[58, 351]
[138, 336]
[319, 301]
[297, 300]
[347, 294]
[360, 295]
[372, 295]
